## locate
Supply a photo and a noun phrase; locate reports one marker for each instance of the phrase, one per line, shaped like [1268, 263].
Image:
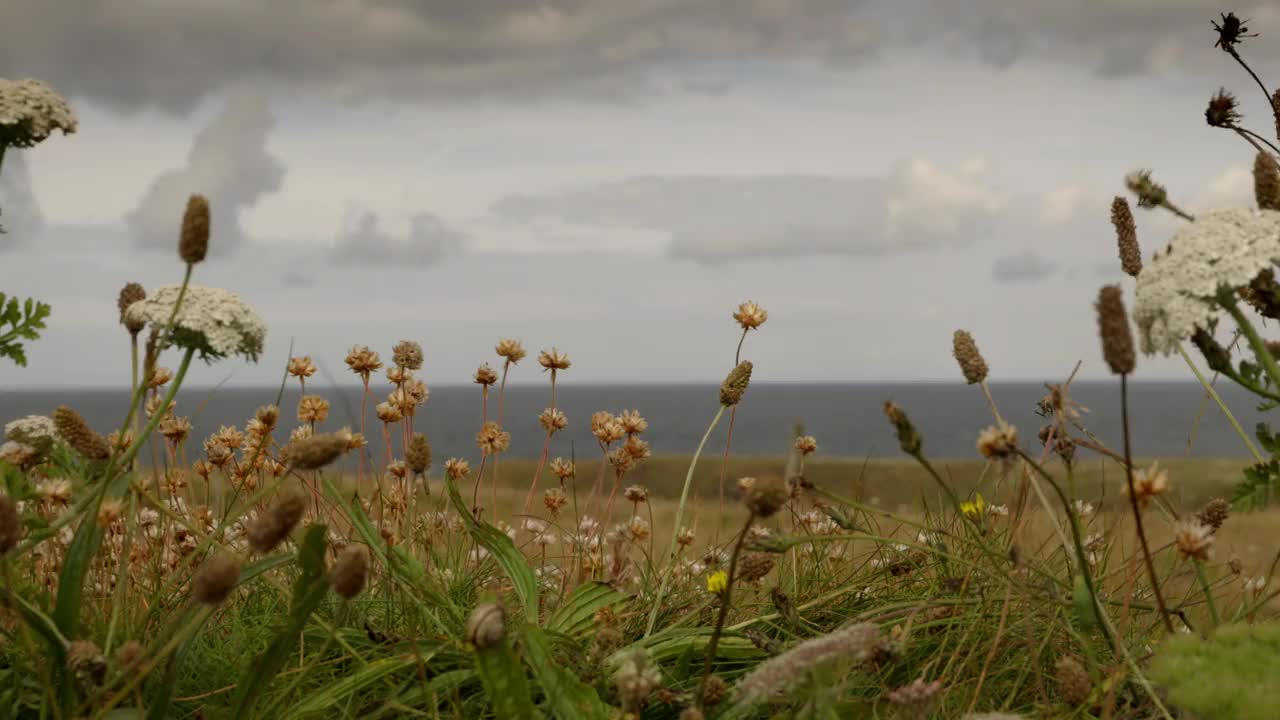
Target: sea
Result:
[1167, 418]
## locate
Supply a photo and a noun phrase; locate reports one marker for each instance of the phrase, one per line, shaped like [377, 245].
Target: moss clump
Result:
[1229, 675]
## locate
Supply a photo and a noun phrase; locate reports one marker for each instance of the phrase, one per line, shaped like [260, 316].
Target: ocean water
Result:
[847, 419]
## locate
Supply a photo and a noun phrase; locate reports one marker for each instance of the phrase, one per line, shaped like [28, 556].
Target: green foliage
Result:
[23, 320]
[1232, 674]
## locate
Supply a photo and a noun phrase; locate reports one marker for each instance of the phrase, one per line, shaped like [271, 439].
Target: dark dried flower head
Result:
[216, 579]
[1072, 680]
[271, 527]
[1222, 110]
[85, 659]
[1126, 236]
[909, 438]
[487, 626]
[350, 571]
[130, 294]
[755, 566]
[1230, 32]
[1150, 193]
[317, 451]
[735, 384]
[1266, 181]
[73, 428]
[418, 456]
[193, 245]
[1214, 513]
[714, 691]
[407, 354]
[765, 499]
[10, 524]
[1113, 328]
[966, 353]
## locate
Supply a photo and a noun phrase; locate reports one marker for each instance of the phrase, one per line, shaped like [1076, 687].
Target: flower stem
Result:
[1133, 505]
[1211, 392]
[1208, 593]
[725, 601]
[1259, 346]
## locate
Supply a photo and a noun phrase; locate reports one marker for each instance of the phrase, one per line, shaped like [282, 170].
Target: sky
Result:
[612, 177]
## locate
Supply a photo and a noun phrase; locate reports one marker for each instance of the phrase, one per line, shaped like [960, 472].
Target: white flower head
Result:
[215, 322]
[1176, 291]
[37, 431]
[30, 111]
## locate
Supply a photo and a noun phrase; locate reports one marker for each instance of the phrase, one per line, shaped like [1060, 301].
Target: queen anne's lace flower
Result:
[1223, 248]
[215, 322]
[30, 111]
[37, 431]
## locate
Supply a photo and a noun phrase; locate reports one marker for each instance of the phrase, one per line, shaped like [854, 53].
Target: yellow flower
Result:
[975, 509]
[717, 582]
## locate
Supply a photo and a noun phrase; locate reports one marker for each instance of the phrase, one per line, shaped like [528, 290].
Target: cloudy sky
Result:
[613, 176]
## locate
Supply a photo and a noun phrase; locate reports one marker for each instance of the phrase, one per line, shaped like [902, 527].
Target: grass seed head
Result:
[77, 433]
[418, 456]
[215, 580]
[1126, 236]
[966, 352]
[271, 528]
[1214, 513]
[193, 244]
[350, 571]
[1113, 328]
[317, 451]
[735, 384]
[909, 438]
[1266, 181]
[130, 294]
[765, 499]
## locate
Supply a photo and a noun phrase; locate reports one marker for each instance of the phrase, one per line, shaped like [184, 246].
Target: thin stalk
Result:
[546, 449]
[1208, 593]
[1265, 93]
[725, 602]
[1268, 362]
[1137, 511]
[724, 469]
[673, 548]
[1211, 392]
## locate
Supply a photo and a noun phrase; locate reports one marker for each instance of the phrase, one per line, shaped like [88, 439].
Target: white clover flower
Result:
[215, 322]
[1176, 291]
[30, 111]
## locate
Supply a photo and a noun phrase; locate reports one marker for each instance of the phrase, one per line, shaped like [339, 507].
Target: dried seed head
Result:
[317, 451]
[1214, 513]
[735, 384]
[917, 694]
[909, 438]
[755, 566]
[216, 579]
[553, 359]
[313, 409]
[806, 445]
[407, 354]
[998, 442]
[129, 655]
[418, 456]
[456, 468]
[563, 469]
[1113, 328]
[130, 294]
[84, 658]
[765, 499]
[1126, 236]
[270, 529]
[1148, 483]
[510, 350]
[194, 243]
[268, 415]
[750, 315]
[714, 691]
[555, 500]
[487, 626]
[552, 420]
[492, 439]
[73, 428]
[301, 367]
[350, 571]
[1266, 181]
[363, 362]
[971, 362]
[1222, 111]
[485, 375]
[10, 524]
[1194, 540]
[1072, 680]
[1150, 193]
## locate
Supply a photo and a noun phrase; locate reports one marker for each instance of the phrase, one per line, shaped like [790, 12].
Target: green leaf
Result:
[575, 617]
[566, 695]
[504, 551]
[359, 681]
[505, 683]
[1086, 613]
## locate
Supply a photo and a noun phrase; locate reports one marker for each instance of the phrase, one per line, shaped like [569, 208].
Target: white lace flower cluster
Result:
[213, 321]
[36, 431]
[1176, 291]
[30, 111]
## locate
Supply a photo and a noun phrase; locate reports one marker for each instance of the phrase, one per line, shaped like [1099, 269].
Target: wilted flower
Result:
[456, 468]
[555, 500]
[313, 409]
[750, 315]
[407, 354]
[492, 439]
[485, 375]
[562, 469]
[1148, 483]
[998, 442]
[806, 445]
[214, 322]
[1193, 540]
[363, 362]
[552, 420]
[553, 359]
[511, 350]
[302, 367]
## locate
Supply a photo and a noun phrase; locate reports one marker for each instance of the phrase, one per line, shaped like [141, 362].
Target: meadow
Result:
[287, 567]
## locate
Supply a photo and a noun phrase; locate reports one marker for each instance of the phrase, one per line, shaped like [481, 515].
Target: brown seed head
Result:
[735, 384]
[562, 469]
[317, 451]
[998, 442]
[916, 694]
[487, 626]
[73, 428]
[407, 354]
[972, 365]
[363, 362]
[553, 359]
[750, 315]
[764, 499]
[130, 294]
[194, 242]
[302, 367]
[350, 570]
[1113, 328]
[1072, 680]
[1126, 236]
[216, 579]
[755, 566]
[806, 445]
[418, 456]
[1222, 111]
[1214, 513]
[555, 500]
[129, 654]
[485, 375]
[1150, 194]
[1266, 181]
[268, 415]
[510, 350]
[492, 439]
[456, 468]
[10, 524]
[714, 691]
[552, 420]
[1193, 539]
[909, 438]
[84, 658]
[313, 409]
[271, 527]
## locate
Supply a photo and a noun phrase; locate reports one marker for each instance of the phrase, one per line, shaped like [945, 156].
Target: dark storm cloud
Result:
[133, 54]
[915, 207]
[1023, 267]
[429, 240]
[228, 163]
[20, 214]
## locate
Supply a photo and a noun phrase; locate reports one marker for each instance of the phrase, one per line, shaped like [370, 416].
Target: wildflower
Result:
[562, 469]
[636, 493]
[1149, 482]
[1126, 236]
[637, 530]
[1193, 539]
[1266, 181]
[396, 375]
[18, 454]
[1222, 111]
[685, 537]
[765, 499]
[636, 448]
[1230, 32]
[388, 413]
[313, 409]
[806, 445]
[908, 437]
[636, 678]
[975, 509]
[855, 642]
[407, 354]
[552, 420]
[735, 384]
[1221, 249]
[130, 294]
[456, 468]
[37, 431]
[215, 580]
[77, 433]
[29, 113]
[317, 451]
[717, 582]
[485, 375]
[996, 511]
[998, 442]
[363, 362]
[350, 570]
[1255, 586]
[301, 367]
[606, 428]
[554, 499]
[553, 360]
[487, 626]
[492, 439]
[1214, 513]
[1113, 328]
[632, 422]
[621, 460]
[1083, 509]
[511, 350]
[750, 315]
[160, 376]
[214, 322]
[972, 365]
[193, 243]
